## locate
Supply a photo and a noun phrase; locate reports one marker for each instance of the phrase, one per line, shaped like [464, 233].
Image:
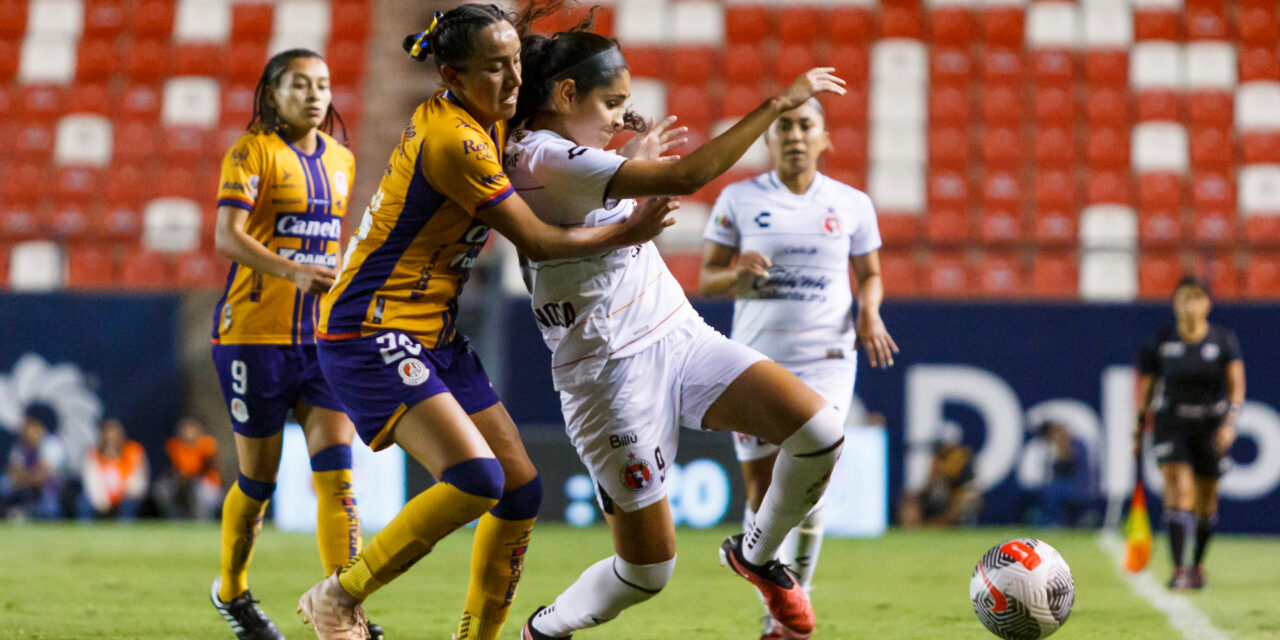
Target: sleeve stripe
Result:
[495, 198]
[235, 202]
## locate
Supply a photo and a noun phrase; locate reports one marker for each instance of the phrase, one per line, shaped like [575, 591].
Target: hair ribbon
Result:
[422, 37]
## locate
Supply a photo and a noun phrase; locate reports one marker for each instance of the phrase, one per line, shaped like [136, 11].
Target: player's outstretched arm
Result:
[236, 245]
[540, 241]
[875, 338]
[719, 273]
[638, 178]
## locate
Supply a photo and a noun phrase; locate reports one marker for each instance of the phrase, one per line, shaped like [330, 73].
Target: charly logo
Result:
[61, 387]
[412, 371]
[340, 184]
[239, 410]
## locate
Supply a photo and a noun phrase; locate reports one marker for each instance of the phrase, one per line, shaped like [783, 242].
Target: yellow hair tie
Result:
[417, 44]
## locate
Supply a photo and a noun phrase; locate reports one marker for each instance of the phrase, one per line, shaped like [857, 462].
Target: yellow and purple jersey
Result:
[419, 237]
[296, 202]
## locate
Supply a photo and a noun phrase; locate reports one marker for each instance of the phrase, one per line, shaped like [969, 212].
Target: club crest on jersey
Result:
[412, 371]
[1210, 352]
[239, 410]
[340, 184]
[637, 474]
[831, 225]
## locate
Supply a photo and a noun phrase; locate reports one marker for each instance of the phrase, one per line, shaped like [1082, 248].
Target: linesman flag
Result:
[1137, 531]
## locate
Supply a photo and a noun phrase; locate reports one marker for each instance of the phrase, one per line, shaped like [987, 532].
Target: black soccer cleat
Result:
[529, 633]
[375, 631]
[246, 618]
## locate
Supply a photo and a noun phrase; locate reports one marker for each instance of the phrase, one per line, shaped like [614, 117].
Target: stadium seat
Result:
[947, 226]
[1108, 275]
[1106, 25]
[1053, 25]
[949, 147]
[118, 223]
[96, 59]
[148, 60]
[1002, 147]
[1107, 107]
[91, 98]
[692, 105]
[49, 59]
[42, 102]
[1156, 24]
[1002, 105]
[1160, 227]
[1158, 274]
[1258, 106]
[153, 18]
[351, 20]
[897, 142]
[1161, 190]
[20, 221]
[1214, 227]
[1258, 26]
[83, 139]
[349, 102]
[1107, 68]
[1211, 65]
[190, 101]
[797, 25]
[692, 65]
[1053, 227]
[1260, 147]
[237, 105]
[246, 59]
[948, 189]
[184, 145]
[1000, 189]
[947, 274]
[792, 61]
[1002, 25]
[1221, 272]
[747, 23]
[897, 187]
[1002, 66]
[900, 21]
[848, 24]
[201, 270]
[201, 59]
[135, 142]
[140, 269]
[175, 181]
[126, 185]
[1109, 187]
[685, 266]
[951, 25]
[1207, 22]
[1054, 275]
[1158, 104]
[1259, 63]
[1054, 148]
[1054, 106]
[171, 225]
[949, 106]
[1213, 190]
[1107, 226]
[35, 265]
[849, 149]
[104, 18]
[202, 21]
[1262, 276]
[1155, 65]
[55, 18]
[1055, 189]
[1159, 146]
[10, 55]
[71, 223]
[898, 229]
[79, 185]
[740, 99]
[853, 60]
[1000, 275]
[1259, 198]
[850, 110]
[1210, 108]
[1107, 148]
[898, 272]
[23, 184]
[302, 23]
[90, 267]
[898, 104]
[140, 103]
[900, 61]
[13, 23]
[32, 142]
[252, 21]
[949, 66]
[1000, 225]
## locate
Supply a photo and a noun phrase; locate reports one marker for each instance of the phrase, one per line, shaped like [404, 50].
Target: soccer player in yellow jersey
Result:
[285, 187]
[386, 335]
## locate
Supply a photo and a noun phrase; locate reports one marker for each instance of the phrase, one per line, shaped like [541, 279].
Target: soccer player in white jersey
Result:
[631, 359]
[794, 233]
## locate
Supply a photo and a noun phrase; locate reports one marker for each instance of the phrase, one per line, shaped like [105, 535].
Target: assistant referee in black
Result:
[1191, 376]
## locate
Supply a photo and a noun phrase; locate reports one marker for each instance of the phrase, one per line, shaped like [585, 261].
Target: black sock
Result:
[1178, 531]
[1204, 531]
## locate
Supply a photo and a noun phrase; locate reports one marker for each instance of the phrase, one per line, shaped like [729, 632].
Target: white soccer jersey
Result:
[593, 308]
[803, 310]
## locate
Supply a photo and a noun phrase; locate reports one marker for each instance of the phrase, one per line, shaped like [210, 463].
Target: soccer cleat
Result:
[246, 618]
[1180, 579]
[773, 630]
[332, 611]
[375, 631]
[529, 633]
[786, 600]
[1195, 577]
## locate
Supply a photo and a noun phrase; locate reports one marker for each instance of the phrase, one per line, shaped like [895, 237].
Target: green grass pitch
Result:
[152, 580]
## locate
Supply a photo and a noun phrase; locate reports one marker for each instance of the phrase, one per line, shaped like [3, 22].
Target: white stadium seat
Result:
[1152, 4]
[1107, 25]
[697, 23]
[55, 18]
[897, 188]
[898, 142]
[1260, 190]
[1108, 226]
[49, 59]
[1258, 105]
[300, 24]
[898, 103]
[191, 101]
[757, 156]
[1108, 275]
[649, 98]
[202, 21]
[1159, 146]
[1155, 65]
[1053, 25]
[642, 22]
[36, 266]
[1211, 65]
[988, 4]
[83, 139]
[171, 225]
[899, 61]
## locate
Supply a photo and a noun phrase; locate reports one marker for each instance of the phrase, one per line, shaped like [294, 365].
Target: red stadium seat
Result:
[1107, 148]
[1002, 25]
[351, 20]
[899, 273]
[126, 186]
[104, 18]
[1002, 105]
[252, 21]
[13, 22]
[898, 229]
[849, 110]
[856, 179]
[950, 66]
[792, 61]
[205, 59]
[90, 267]
[97, 59]
[78, 185]
[1259, 26]
[852, 62]
[949, 147]
[951, 25]
[1158, 104]
[1207, 23]
[741, 99]
[1107, 68]
[1109, 187]
[693, 106]
[140, 102]
[1213, 190]
[71, 223]
[1260, 147]
[348, 102]
[24, 185]
[176, 182]
[135, 142]
[237, 104]
[148, 60]
[1156, 24]
[4, 265]
[32, 142]
[91, 98]
[1054, 106]
[1211, 148]
[1160, 191]
[1210, 108]
[798, 25]
[1158, 274]
[1000, 275]
[741, 63]
[1214, 227]
[153, 18]
[685, 266]
[1000, 225]
[1221, 272]
[246, 60]
[1054, 148]
[118, 223]
[42, 103]
[1056, 189]
[202, 270]
[693, 65]
[848, 149]
[1054, 275]
[1160, 227]
[20, 221]
[949, 106]
[1053, 227]
[1259, 63]
[1261, 230]
[1002, 66]
[10, 54]
[947, 226]
[948, 189]
[185, 145]
[900, 21]
[1053, 68]
[1001, 189]
[747, 23]
[144, 270]
[1107, 107]
[947, 274]
[848, 24]
[1002, 147]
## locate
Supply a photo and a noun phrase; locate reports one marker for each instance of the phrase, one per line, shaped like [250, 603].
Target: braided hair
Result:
[266, 116]
[451, 38]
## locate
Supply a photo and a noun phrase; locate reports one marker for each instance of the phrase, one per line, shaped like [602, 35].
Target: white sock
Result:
[748, 518]
[800, 477]
[802, 547]
[602, 592]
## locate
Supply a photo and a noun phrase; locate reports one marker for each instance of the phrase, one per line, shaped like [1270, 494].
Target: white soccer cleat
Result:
[332, 611]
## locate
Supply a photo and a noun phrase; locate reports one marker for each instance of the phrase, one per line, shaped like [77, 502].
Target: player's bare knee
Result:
[821, 437]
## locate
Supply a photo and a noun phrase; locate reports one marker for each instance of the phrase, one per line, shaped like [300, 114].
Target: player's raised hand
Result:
[649, 219]
[313, 279]
[753, 263]
[808, 84]
[876, 340]
[655, 141]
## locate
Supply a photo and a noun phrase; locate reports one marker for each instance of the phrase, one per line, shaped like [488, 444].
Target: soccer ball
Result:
[1022, 589]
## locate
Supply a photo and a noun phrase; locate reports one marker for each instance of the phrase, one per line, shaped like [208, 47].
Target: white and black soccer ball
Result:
[1022, 589]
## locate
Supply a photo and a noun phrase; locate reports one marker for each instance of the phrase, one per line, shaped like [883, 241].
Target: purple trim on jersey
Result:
[496, 198]
[217, 309]
[420, 203]
[235, 202]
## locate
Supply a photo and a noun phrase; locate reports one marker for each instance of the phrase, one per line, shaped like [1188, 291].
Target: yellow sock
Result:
[424, 520]
[241, 522]
[497, 560]
[337, 520]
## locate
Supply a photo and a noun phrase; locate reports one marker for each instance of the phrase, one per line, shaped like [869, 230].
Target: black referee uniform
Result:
[1190, 400]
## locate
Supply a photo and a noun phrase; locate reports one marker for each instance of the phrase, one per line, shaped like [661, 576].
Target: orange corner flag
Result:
[1137, 532]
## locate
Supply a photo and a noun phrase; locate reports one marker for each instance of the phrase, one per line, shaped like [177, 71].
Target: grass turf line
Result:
[151, 580]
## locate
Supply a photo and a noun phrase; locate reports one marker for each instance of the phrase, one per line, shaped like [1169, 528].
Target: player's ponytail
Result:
[451, 36]
[266, 117]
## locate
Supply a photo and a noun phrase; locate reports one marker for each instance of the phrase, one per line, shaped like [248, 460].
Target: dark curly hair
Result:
[266, 117]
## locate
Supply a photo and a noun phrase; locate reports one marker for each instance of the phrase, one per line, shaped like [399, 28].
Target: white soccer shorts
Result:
[832, 379]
